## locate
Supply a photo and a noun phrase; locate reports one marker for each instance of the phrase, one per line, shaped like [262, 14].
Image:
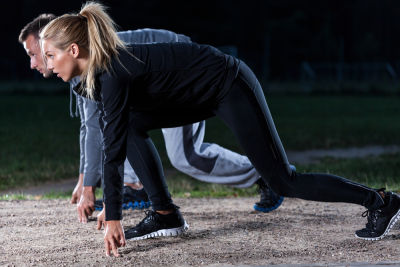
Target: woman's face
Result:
[62, 63]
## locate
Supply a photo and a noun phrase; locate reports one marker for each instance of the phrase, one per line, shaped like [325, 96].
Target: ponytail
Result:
[91, 29]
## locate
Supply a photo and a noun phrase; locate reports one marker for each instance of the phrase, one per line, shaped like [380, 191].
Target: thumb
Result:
[73, 199]
[122, 241]
[99, 224]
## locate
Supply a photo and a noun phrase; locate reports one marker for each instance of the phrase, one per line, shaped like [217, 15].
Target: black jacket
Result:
[155, 78]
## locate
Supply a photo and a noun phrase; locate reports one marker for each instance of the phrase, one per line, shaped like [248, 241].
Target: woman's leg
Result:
[245, 111]
[166, 219]
[144, 159]
[143, 156]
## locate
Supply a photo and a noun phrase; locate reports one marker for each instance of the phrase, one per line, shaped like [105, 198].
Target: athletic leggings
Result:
[245, 111]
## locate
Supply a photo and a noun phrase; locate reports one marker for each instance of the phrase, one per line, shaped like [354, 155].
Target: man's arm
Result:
[145, 36]
[76, 194]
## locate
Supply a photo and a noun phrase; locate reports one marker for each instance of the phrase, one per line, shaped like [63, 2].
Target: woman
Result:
[144, 87]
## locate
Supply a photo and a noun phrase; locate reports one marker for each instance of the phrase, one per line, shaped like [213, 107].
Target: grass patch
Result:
[312, 122]
[375, 172]
[181, 185]
[39, 141]
[308, 122]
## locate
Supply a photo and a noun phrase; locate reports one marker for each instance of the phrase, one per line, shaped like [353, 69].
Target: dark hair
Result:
[35, 26]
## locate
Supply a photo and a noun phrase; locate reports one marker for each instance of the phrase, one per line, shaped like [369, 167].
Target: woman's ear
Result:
[74, 50]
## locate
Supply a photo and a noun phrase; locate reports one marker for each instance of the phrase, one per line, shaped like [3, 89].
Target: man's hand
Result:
[86, 204]
[114, 237]
[76, 194]
[101, 219]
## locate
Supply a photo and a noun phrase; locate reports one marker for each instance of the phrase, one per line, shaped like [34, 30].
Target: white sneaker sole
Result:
[392, 223]
[164, 232]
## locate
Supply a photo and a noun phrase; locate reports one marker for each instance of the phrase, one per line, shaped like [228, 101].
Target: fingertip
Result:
[116, 254]
[107, 248]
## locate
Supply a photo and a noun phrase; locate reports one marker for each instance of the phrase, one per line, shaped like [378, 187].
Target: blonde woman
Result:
[144, 87]
[185, 145]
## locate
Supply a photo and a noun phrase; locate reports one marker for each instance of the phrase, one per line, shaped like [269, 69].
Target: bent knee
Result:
[178, 163]
[284, 183]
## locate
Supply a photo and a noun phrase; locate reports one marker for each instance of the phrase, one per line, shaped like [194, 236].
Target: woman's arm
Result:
[114, 106]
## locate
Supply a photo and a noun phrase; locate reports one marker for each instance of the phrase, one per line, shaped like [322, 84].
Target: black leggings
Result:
[246, 113]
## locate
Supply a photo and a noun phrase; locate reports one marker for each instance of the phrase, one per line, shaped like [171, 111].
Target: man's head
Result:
[29, 38]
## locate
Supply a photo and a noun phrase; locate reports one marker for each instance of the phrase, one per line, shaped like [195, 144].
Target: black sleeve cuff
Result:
[113, 211]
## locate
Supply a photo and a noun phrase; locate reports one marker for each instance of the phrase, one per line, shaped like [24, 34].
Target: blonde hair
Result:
[91, 29]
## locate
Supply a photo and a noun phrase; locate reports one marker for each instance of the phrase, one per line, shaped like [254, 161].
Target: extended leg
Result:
[246, 112]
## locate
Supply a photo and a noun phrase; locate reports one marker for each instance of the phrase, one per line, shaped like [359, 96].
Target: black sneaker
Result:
[269, 200]
[381, 221]
[135, 199]
[154, 225]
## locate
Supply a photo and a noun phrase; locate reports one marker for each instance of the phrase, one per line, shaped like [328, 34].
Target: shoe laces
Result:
[151, 216]
[263, 189]
[372, 218]
[267, 194]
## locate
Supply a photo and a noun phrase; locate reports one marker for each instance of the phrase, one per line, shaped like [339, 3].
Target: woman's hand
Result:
[114, 237]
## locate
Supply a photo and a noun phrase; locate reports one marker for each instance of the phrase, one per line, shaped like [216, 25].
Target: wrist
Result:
[113, 221]
[90, 189]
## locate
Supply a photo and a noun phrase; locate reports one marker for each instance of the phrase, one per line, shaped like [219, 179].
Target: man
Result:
[134, 194]
[185, 147]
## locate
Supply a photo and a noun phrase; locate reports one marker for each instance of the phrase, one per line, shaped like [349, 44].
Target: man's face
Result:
[32, 48]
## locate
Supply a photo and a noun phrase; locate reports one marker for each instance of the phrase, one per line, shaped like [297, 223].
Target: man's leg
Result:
[212, 163]
[135, 196]
[165, 219]
[207, 162]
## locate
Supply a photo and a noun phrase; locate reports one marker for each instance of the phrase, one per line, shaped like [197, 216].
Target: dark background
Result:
[274, 37]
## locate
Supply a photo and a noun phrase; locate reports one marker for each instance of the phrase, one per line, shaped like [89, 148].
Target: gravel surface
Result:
[223, 232]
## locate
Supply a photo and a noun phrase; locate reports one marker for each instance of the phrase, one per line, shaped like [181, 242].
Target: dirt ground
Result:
[222, 232]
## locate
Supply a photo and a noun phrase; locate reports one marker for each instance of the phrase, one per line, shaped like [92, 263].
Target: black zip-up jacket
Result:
[185, 77]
